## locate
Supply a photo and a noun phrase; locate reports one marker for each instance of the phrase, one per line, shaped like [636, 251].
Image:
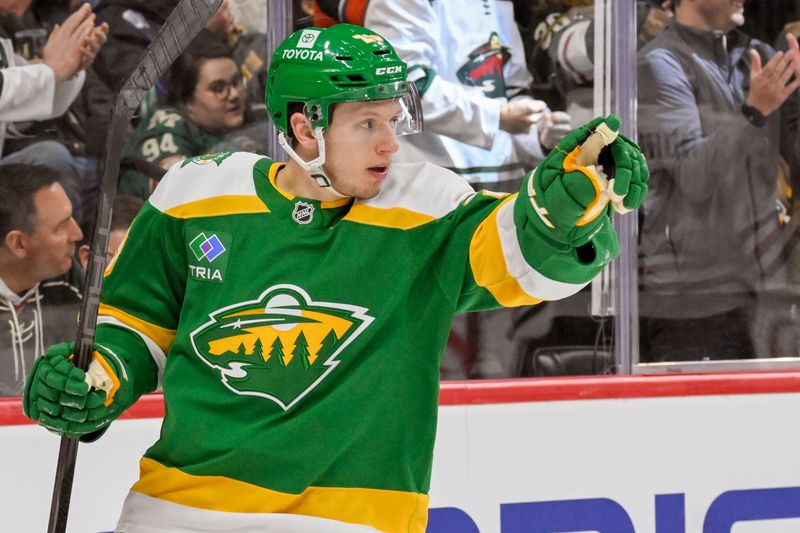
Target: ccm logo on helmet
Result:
[388, 70]
[311, 55]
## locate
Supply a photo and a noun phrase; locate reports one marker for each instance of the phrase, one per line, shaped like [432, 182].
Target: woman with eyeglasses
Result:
[205, 100]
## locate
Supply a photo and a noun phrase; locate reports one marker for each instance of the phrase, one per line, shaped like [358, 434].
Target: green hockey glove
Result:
[68, 401]
[592, 169]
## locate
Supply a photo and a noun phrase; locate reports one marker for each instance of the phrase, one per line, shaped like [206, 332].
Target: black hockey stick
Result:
[178, 31]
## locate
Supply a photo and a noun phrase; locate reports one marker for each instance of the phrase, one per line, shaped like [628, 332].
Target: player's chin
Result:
[368, 191]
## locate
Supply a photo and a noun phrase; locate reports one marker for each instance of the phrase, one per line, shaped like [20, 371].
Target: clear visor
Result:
[410, 119]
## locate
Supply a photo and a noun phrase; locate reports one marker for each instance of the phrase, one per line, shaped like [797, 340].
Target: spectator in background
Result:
[205, 101]
[39, 288]
[717, 110]
[45, 88]
[133, 25]
[559, 41]
[467, 60]
[126, 207]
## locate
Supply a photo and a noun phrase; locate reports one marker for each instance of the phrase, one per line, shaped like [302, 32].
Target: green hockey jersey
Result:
[298, 342]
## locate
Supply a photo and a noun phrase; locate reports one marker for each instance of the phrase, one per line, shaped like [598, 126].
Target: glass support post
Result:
[279, 26]
[615, 292]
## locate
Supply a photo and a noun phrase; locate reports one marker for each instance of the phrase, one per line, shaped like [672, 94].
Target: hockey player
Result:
[294, 313]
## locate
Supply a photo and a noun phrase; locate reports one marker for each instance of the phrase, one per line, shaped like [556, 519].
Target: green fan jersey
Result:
[167, 133]
[298, 342]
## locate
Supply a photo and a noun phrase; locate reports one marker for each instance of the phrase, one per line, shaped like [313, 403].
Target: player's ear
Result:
[303, 132]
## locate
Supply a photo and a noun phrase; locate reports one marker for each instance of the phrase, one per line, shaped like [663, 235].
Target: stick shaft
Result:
[178, 31]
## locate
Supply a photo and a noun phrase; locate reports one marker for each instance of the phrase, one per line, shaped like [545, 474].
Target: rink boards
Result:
[660, 454]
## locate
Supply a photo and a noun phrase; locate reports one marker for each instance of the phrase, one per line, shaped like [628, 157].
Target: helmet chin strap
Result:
[314, 167]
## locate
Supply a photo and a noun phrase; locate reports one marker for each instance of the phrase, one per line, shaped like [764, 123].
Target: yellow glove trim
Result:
[583, 159]
[105, 379]
[598, 181]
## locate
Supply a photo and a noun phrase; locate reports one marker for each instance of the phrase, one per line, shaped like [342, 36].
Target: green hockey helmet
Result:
[319, 67]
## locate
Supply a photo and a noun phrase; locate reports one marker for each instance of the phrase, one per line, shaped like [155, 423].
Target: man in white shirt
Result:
[45, 88]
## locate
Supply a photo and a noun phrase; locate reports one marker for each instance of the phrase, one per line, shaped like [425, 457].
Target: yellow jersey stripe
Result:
[512, 281]
[385, 510]
[489, 266]
[273, 177]
[161, 336]
[393, 217]
[219, 206]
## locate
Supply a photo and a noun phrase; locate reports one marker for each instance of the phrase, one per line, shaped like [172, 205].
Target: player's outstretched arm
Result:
[565, 204]
[68, 401]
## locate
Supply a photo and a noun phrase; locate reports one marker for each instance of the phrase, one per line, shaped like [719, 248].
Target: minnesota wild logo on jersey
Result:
[280, 345]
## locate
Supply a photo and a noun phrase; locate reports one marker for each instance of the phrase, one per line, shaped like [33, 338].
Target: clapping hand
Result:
[771, 85]
[72, 46]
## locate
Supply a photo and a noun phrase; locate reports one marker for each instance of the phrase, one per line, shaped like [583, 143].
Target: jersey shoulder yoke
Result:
[210, 185]
[413, 195]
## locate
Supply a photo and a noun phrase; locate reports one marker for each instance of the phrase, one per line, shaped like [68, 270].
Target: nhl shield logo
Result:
[303, 213]
[279, 346]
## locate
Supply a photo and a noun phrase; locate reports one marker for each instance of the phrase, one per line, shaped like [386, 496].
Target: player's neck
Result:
[298, 182]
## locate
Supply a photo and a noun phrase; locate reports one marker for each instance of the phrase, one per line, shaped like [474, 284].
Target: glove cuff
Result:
[130, 357]
[537, 211]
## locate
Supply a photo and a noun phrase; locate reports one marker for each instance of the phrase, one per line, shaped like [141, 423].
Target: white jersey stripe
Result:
[531, 281]
[158, 355]
[421, 188]
[145, 514]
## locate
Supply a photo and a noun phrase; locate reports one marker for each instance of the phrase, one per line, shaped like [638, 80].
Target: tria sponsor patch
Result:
[279, 346]
[208, 258]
